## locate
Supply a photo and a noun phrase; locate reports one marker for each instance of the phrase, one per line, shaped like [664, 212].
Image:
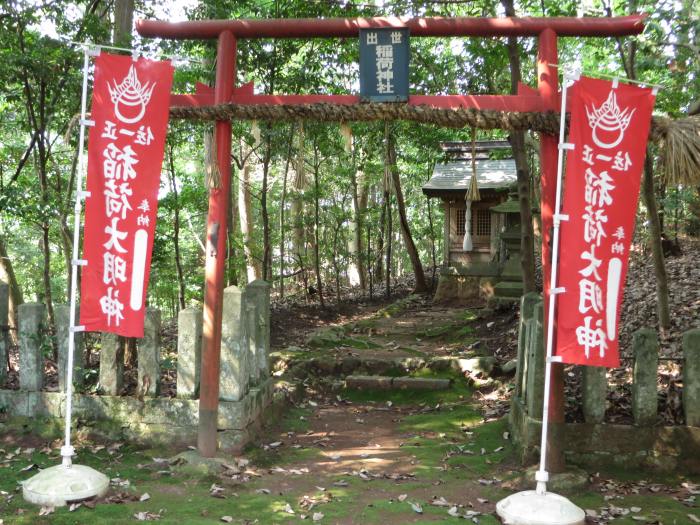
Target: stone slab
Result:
[62, 315]
[645, 346]
[595, 388]
[31, 319]
[420, 383]
[149, 355]
[189, 352]
[368, 382]
[233, 382]
[111, 364]
[535, 367]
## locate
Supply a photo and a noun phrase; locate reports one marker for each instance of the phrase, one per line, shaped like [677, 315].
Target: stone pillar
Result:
[691, 377]
[259, 293]
[62, 314]
[111, 364]
[250, 340]
[595, 389]
[149, 355]
[527, 308]
[189, 352]
[233, 377]
[4, 330]
[646, 363]
[535, 363]
[30, 318]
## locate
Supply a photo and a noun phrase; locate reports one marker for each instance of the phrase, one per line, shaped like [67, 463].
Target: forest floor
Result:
[342, 456]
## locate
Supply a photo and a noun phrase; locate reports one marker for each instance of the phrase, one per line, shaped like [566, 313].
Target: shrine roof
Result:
[455, 176]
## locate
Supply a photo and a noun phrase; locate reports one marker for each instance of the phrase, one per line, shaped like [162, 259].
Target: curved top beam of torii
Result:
[433, 26]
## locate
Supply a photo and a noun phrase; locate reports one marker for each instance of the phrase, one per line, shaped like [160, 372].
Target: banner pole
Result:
[67, 451]
[542, 476]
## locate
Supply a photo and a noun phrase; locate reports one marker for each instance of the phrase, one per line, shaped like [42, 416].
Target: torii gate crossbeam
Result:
[227, 32]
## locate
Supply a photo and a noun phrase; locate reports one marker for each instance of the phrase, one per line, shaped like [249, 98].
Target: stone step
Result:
[510, 289]
[396, 383]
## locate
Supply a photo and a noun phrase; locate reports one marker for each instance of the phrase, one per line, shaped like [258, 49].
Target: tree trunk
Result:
[267, 257]
[46, 277]
[176, 231]
[517, 141]
[7, 274]
[283, 202]
[379, 266]
[253, 268]
[433, 251]
[317, 257]
[336, 268]
[421, 286]
[123, 22]
[662, 308]
[389, 239]
[298, 244]
[356, 271]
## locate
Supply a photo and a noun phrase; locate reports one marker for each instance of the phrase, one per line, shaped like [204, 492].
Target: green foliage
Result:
[40, 97]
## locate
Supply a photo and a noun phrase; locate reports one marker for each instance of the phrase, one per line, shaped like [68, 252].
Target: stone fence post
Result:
[30, 318]
[111, 364]
[4, 330]
[691, 377]
[250, 334]
[149, 355]
[646, 365]
[62, 314]
[258, 293]
[527, 308]
[189, 352]
[534, 391]
[234, 371]
[595, 390]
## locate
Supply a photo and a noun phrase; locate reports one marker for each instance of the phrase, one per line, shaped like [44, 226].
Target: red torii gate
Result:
[227, 32]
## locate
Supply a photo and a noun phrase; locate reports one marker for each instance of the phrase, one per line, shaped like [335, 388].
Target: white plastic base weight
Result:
[56, 486]
[531, 508]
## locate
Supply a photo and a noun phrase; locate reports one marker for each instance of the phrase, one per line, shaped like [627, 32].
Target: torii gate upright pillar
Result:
[215, 256]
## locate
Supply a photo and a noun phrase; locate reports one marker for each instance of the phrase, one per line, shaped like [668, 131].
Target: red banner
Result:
[609, 128]
[125, 154]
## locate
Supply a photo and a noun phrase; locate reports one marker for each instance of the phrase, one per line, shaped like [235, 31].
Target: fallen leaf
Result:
[145, 496]
[403, 497]
[317, 516]
[226, 519]
[288, 509]
[45, 511]
[417, 508]
[216, 491]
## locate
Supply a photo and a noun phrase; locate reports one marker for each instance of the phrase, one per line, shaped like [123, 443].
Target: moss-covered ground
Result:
[365, 457]
[354, 457]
